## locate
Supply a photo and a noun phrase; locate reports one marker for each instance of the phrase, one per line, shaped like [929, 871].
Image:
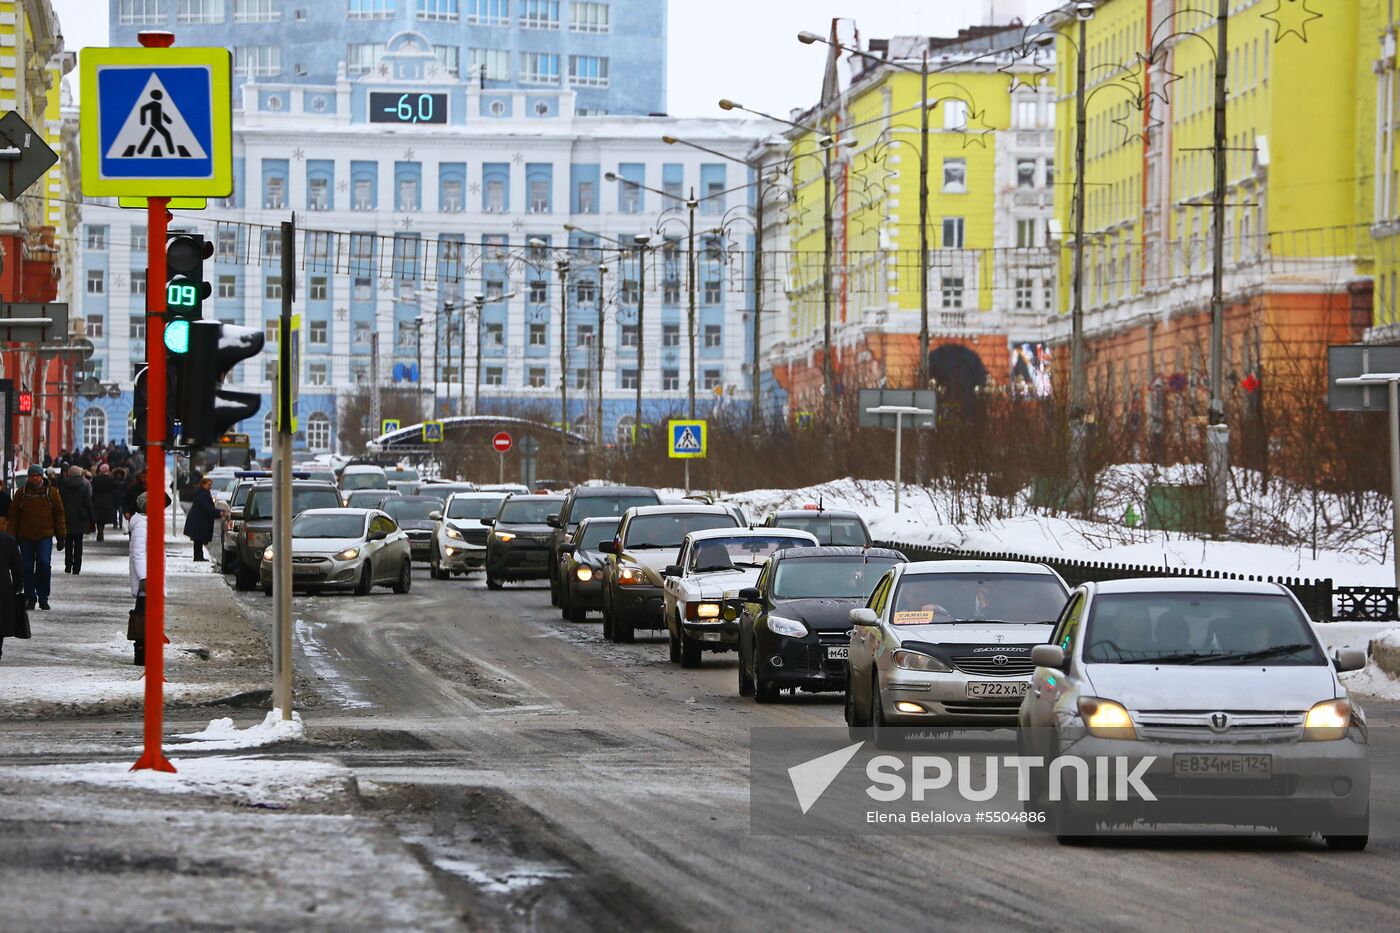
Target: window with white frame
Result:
[583, 335]
[539, 67]
[94, 427]
[954, 114]
[450, 57]
[630, 335]
[362, 333]
[494, 64]
[1026, 114]
[488, 12]
[363, 57]
[439, 10]
[539, 14]
[199, 12]
[953, 228]
[257, 11]
[364, 288]
[494, 201]
[318, 374]
[138, 238]
[318, 333]
[452, 196]
[630, 197]
[257, 61]
[138, 281]
[1025, 173]
[714, 338]
[92, 326]
[1025, 294]
[228, 286]
[951, 291]
[671, 291]
[670, 380]
[539, 292]
[1025, 231]
[714, 292]
[96, 282]
[406, 334]
[581, 381]
[588, 70]
[538, 336]
[494, 335]
[364, 195]
[670, 335]
[588, 17]
[539, 196]
[275, 192]
[97, 237]
[630, 380]
[317, 289]
[318, 431]
[954, 176]
[318, 194]
[271, 246]
[408, 195]
[494, 376]
[711, 379]
[271, 331]
[136, 328]
[141, 13]
[226, 242]
[585, 292]
[537, 377]
[587, 197]
[371, 9]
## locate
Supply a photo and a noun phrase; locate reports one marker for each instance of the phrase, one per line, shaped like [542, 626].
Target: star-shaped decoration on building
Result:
[383, 69]
[406, 222]
[474, 187]
[431, 71]
[1292, 18]
[1028, 77]
[342, 185]
[298, 153]
[408, 154]
[1136, 129]
[976, 129]
[518, 158]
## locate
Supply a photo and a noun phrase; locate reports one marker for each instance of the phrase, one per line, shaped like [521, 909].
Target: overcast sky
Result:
[743, 49]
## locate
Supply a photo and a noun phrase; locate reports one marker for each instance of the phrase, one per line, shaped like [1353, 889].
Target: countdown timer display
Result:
[407, 107]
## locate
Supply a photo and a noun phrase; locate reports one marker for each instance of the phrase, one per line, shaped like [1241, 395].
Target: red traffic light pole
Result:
[157, 221]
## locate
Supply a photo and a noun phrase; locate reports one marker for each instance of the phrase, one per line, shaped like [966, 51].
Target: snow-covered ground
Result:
[223, 735]
[249, 780]
[930, 516]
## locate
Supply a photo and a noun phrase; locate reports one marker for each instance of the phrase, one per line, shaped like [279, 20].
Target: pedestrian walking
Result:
[119, 486]
[134, 489]
[36, 519]
[78, 517]
[136, 622]
[5, 500]
[104, 499]
[14, 623]
[199, 522]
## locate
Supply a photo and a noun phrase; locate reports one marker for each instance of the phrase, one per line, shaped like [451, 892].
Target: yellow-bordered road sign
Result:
[389, 425]
[688, 439]
[156, 122]
[432, 432]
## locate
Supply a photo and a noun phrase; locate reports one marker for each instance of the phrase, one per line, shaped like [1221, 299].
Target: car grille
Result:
[475, 536]
[973, 708]
[307, 560]
[1014, 662]
[812, 660]
[1243, 726]
[419, 535]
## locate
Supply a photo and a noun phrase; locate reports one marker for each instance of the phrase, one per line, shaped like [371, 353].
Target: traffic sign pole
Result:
[153, 756]
[501, 442]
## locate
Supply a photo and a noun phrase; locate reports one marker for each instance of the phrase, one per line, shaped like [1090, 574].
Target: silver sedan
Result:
[345, 549]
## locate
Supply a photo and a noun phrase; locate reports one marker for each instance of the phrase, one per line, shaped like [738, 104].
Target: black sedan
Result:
[794, 628]
[414, 514]
[581, 567]
[518, 546]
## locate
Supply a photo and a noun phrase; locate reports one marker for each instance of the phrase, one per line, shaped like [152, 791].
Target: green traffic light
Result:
[177, 336]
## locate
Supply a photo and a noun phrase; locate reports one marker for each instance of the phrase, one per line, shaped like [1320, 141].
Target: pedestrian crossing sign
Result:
[432, 432]
[689, 439]
[156, 122]
[388, 426]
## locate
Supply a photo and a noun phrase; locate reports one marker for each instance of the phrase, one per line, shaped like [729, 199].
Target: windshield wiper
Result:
[1188, 658]
[1259, 655]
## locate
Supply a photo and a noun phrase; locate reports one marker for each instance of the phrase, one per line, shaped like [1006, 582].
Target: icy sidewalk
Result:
[79, 660]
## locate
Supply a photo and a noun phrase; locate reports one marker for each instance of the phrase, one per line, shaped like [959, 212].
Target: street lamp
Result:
[480, 301]
[562, 267]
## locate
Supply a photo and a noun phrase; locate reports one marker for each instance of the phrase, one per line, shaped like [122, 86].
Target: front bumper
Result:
[944, 699]
[803, 662]
[459, 556]
[719, 635]
[513, 561]
[1314, 786]
[640, 605]
[421, 547]
[317, 572]
[586, 595]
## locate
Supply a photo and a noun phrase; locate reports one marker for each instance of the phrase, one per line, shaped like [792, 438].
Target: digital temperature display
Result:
[408, 107]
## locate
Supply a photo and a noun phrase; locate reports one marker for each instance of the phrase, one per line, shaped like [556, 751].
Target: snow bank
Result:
[258, 781]
[223, 735]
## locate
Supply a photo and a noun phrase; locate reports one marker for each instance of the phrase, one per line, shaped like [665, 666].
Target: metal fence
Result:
[1323, 601]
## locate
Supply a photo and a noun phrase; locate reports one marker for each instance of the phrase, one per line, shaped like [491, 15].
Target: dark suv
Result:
[518, 546]
[255, 535]
[589, 502]
[833, 527]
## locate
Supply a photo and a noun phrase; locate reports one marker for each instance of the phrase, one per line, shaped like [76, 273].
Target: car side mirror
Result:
[674, 570]
[488, 522]
[1052, 656]
[378, 535]
[553, 521]
[1349, 659]
[435, 516]
[608, 547]
[864, 616]
[751, 594]
[235, 514]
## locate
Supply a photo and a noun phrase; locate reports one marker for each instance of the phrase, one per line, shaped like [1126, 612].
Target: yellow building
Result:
[990, 181]
[1297, 255]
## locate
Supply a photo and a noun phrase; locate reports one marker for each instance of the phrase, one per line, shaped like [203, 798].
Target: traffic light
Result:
[138, 407]
[212, 350]
[185, 287]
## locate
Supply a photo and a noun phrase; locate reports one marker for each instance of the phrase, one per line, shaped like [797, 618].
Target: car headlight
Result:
[267, 554]
[918, 661]
[454, 534]
[259, 538]
[584, 574]
[349, 553]
[1106, 719]
[631, 576]
[451, 551]
[1327, 721]
[789, 627]
[503, 536]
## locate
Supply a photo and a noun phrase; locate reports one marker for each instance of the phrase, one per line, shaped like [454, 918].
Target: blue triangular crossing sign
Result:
[688, 441]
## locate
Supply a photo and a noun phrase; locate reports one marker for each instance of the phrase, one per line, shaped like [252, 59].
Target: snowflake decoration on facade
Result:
[406, 223]
[518, 158]
[517, 224]
[474, 187]
[342, 185]
[408, 154]
[298, 153]
[383, 70]
[1291, 16]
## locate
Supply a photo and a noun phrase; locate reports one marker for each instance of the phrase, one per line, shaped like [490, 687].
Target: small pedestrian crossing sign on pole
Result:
[432, 432]
[689, 439]
[389, 426]
[156, 122]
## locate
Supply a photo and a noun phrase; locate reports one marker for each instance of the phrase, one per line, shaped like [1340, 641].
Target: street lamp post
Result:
[562, 266]
[641, 240]
[418, 349]
[691, 204]
[479, 301]
[447, 309]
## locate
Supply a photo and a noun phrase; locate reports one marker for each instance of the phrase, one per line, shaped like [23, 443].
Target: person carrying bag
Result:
[14, 616]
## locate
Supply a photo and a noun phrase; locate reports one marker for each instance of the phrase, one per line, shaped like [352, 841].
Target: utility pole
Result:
[641, 241]
[1217, 431]
[1078, 493]
[437, 371]
[923, 227]
[479, 300]
[691, 204]
[462, 371]
[562, 267]
[828, 389]
[755, 417]
[602, 349]
[283, 403]
[418, 347]
[376, 413]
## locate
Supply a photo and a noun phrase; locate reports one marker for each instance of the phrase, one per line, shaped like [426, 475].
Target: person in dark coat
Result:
[78, 517]
[104, 498]
[11, 587]
[36, 521]
[134, 489]
[199, 522]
